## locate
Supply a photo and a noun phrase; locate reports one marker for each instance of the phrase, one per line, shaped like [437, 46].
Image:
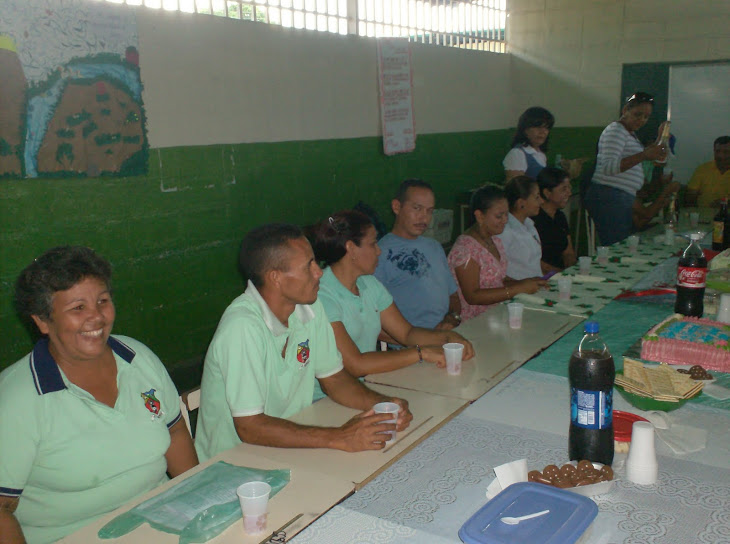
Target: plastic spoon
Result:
[509, 520]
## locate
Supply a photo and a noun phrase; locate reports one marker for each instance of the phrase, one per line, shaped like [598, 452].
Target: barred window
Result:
[468, 24]
[471, 24]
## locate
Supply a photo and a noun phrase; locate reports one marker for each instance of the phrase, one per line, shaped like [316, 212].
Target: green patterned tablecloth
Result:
[592, 292]
[622, 323]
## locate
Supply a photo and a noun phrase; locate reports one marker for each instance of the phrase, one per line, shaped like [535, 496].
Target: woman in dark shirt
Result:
[551, 224]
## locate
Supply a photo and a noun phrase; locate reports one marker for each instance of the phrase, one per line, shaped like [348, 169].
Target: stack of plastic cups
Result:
[641, 464]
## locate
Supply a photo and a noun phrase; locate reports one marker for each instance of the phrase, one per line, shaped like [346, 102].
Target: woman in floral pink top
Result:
[478, 260]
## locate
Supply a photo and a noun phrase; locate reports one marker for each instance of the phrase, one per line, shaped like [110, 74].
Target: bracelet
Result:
[420, 355]
[508, 295]
[455, 316]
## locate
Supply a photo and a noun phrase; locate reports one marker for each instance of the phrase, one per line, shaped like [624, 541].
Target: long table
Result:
[421, 488]
[498, 349]
[321, 478]
[287, 507]
[429, 413]
[428, 494]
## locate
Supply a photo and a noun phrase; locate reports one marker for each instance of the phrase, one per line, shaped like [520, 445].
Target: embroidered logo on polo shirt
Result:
[303, 352]
[152, 403]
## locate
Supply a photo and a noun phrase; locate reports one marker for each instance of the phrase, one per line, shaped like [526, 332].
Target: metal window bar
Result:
[468, 24]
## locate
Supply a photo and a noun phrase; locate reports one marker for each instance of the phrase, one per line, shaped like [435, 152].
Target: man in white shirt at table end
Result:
[413, 267]
[272, 342]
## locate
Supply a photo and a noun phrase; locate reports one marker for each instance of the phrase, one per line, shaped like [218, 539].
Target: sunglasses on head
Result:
[640, 98]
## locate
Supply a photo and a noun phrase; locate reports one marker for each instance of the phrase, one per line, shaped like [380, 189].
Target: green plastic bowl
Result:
[647, 403]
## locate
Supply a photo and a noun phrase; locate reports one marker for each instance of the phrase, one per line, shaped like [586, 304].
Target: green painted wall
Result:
[173, 234]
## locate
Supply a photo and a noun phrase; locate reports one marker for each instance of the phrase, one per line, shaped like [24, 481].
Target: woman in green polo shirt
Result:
[89, 420]
[358, 306]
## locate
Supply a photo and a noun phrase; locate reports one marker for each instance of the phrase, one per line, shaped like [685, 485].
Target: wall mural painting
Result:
[71, 90]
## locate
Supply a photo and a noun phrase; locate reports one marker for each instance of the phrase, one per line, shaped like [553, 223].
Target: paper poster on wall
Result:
[71, 90]
[396, 96]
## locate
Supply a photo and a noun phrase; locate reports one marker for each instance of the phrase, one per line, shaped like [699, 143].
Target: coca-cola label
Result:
[689, 276]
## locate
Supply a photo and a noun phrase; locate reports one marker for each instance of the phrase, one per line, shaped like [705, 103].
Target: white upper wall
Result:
[568, 54]
[211, 80]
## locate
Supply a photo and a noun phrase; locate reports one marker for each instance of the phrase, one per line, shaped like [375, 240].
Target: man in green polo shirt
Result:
[270, 345]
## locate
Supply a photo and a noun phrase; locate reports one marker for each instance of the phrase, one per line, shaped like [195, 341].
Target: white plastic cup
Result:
[633, 243]
[694, 218]
[514, 310]
[254, 499]
[641, 464]
[723, 310]
[668, 236]
[584, 264]
[602, 254]
[454, 352]
[564, 285]
[388, 408]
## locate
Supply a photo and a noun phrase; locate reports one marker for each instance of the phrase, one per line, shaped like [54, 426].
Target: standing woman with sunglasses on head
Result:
[619, 175]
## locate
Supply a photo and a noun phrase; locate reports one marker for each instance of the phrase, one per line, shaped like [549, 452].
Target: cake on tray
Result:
[683, 340]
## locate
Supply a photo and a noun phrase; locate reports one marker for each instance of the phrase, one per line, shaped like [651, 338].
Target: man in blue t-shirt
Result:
[413, 267]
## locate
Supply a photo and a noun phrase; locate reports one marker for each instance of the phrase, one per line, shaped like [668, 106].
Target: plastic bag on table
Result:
[198, 508]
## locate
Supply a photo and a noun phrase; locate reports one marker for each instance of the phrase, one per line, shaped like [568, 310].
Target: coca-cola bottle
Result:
[691, 272]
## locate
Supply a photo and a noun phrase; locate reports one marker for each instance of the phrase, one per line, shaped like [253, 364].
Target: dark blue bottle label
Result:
[591, 409]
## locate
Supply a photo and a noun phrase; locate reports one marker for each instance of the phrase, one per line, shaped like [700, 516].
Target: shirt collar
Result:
[303, 312]
[44, 369]
[516, 222]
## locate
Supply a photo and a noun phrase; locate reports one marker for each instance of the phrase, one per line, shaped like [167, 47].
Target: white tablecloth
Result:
[427, 495]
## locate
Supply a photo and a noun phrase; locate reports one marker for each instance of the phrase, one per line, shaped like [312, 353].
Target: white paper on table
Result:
[493, 489]
[535, 300]
[634, 260]
[511, 473]
[716, 391]
[585, 278]
[683, 439]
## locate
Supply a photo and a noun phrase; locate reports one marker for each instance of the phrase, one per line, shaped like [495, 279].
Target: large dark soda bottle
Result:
[718, 227]
[591, 374]
[691, 272]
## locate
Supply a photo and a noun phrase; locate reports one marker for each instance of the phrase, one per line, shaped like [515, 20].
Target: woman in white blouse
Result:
[530, 143]
[520, 238]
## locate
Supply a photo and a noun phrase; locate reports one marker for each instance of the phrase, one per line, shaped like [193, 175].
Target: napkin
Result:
[507, 474]
[683, 439]
[535, 300]
[634, 260]
[716, 391]
[585, 278]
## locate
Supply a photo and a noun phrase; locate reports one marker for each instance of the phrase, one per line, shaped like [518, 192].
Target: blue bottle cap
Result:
[591, 327]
